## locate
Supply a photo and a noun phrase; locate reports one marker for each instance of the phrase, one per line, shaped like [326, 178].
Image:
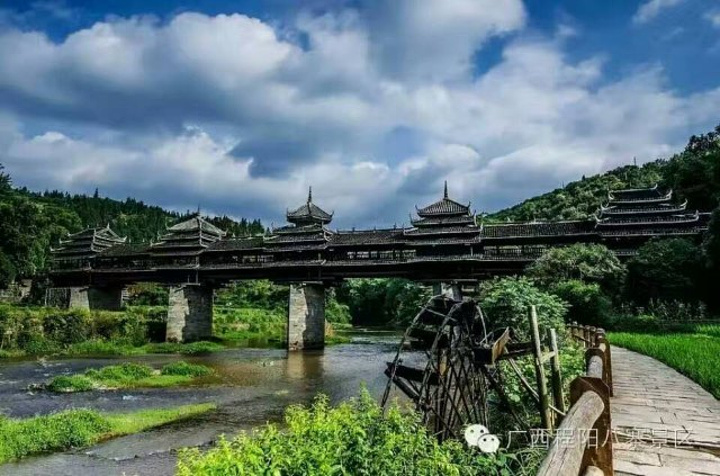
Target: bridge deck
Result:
[659, 406]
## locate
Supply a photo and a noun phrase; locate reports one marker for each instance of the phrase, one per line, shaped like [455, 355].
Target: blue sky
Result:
[240, 105]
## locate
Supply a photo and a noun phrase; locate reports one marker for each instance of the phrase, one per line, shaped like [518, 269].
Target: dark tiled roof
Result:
[444, 206]
[446, 230]
[444, 220]
[295, 229]
[654, 231]
[634, 209]
[126, 249]
[195, 224]
[637, 193]
[87, 243]
[236, 244]
[309, 210]
[511, 230]
[366, 237]
[649, 220]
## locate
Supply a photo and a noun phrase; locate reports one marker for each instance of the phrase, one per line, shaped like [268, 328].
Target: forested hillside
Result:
[30, 223]
[693, 174]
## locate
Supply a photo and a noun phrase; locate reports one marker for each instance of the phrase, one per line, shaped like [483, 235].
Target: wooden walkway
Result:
[664, 423]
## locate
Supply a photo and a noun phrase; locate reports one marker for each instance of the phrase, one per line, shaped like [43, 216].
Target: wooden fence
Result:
[583, 441]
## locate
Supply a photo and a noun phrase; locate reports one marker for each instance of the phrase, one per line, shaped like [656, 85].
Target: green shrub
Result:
[588, 303]
[590, 263]
[185, 369]
[354, 437]
[70, 383]
[121, 373]
[506, 303]
[67, 327]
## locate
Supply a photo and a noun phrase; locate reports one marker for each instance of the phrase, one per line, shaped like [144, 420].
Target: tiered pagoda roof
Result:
[307, 230]
[86, 244]
[187, 238]
[309, 213]
[645, 211]
[443, 220]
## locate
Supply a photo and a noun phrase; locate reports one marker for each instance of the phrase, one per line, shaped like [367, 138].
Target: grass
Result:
[81, 428]
[695, 353]
[127, 375]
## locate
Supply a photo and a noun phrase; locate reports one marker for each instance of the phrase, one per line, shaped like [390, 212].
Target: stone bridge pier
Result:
[190, 313]
[108, 298]
[306, 316]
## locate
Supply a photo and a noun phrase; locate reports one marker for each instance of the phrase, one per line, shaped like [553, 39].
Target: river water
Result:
[251, 387]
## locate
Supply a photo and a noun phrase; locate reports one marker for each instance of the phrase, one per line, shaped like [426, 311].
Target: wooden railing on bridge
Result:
[583, 441]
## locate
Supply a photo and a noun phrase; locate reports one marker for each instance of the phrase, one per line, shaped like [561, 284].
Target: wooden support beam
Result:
[543, 397]
[556, 374]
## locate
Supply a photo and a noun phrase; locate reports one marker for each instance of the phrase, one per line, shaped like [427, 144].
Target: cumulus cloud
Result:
[652, 8]
[374, 107]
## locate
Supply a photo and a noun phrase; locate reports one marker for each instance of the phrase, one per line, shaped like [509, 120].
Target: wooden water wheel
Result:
[446, 365]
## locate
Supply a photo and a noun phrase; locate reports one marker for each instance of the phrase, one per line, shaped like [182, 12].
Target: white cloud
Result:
[713, 16]
[652, 8]
[240, 116]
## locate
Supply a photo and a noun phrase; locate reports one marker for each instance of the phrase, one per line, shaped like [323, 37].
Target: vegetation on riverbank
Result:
[80, 428]
[128, 375]
[694, 352]
[355, 437]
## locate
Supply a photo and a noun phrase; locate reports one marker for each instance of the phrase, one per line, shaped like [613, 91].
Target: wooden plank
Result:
[412, 374]
[499, 345]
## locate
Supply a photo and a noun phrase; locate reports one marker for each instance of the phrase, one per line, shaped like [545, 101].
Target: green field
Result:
[694, 352]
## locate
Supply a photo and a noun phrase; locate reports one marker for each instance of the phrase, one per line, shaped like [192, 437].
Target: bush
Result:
[67, 327]
[588, 304]
[70, 383]
[120, 373]
[580, 262]
[353, 438]
[506, 303]
[185, 369]
[666, 269]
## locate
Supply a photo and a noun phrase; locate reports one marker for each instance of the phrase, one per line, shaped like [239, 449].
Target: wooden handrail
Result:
[566, 459]
[589, 411]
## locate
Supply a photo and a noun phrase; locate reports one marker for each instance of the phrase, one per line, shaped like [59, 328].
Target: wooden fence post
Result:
[543, 397]
[556, 375]
[607, 364]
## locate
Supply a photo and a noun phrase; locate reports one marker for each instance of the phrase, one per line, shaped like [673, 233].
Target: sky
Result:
[237, 107]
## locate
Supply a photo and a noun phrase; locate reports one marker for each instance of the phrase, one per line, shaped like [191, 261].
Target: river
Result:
[250, 387]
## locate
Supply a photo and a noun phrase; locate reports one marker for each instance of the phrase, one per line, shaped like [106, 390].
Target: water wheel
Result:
[445, 365]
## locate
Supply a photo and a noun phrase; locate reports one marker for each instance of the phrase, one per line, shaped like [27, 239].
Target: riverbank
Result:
[81, 428]
[137, 330]
[249, 386]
